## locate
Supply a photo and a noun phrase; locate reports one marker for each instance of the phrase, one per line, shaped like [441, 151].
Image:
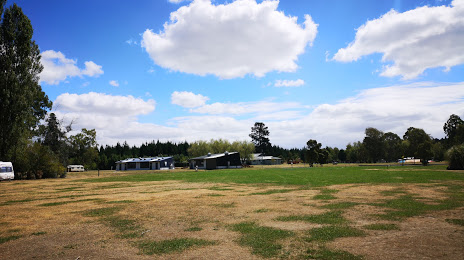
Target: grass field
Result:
[337, 212]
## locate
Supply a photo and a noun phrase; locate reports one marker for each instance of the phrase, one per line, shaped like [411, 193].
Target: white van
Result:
[6, 171]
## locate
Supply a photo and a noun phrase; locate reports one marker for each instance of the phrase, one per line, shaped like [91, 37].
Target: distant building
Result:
[150, 163]
[260, 159]
[217, 161]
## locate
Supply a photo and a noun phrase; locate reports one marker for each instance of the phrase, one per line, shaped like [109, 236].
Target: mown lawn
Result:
[315, 177]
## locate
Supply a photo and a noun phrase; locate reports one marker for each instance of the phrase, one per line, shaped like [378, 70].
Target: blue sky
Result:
[196, 70]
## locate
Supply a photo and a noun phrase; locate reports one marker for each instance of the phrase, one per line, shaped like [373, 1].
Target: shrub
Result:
[455, 156]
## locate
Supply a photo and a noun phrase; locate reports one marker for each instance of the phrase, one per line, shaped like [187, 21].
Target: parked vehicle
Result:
[6, 171]
[75, 168]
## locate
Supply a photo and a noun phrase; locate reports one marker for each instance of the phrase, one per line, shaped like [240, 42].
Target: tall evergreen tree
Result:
[22, 102]
[260, 137]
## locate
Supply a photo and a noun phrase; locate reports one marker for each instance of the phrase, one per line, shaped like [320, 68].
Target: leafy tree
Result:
[392, 144]
[84, 148]
[260, 137]
[451, 128]
[53, 135]
[420, 144]
[374, 144]
[313, 152]
[22, 102]
[455, 156]
[342, 155]
[438, 152]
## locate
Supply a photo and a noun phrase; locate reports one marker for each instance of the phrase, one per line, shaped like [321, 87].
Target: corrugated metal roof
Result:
[147, 159]
[211, 156]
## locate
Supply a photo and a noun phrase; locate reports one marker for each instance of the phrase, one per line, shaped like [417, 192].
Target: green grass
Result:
[39, 233]
[170, 246]
[261, 210]
[219, 188]
[262, 240]
[459, 222]
[9, 238]
[340, 205]
[268, 192]
[193, 229]
[408, 206]
[11, 202]
[51, 204]
[327, 254]
[329, 233]
[382, 226]
[101, 212]
[324, 197]
[119, 201]
[313, 177]
[127, 228]
[330, 217]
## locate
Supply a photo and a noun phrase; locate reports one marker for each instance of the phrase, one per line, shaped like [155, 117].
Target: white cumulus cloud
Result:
[422, 38]
[289, 83]
[230, 40]
[100, 103]
[114, 83]
[188, 99]
[58, 68]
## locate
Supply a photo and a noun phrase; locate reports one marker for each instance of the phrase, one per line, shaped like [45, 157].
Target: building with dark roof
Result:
[150, 163]
[217, 161]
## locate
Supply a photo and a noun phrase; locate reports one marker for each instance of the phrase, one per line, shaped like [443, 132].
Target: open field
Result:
[260, 213]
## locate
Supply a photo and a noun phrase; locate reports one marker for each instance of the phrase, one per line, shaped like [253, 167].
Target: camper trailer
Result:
[75, 168]
[6, 171]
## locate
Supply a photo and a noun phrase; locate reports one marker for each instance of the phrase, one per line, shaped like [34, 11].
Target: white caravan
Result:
[6, 171]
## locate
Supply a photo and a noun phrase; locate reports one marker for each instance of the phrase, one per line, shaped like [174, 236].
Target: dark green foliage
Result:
[381, 226]
[392, 144]
[453, 129]
[330, 217]
[260, 137]
[455, 156]
[313, 152]
[22, 102]
[327, 254]
[262, 240]
[84, 149]
[329, 233]
[419, 144]
[171, 246]
[374, 144]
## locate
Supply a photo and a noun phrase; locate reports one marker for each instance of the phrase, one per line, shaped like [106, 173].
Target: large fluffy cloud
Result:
[230, 40]
[426, 37]
[188, 99]
[423, 105]
[58, 68]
